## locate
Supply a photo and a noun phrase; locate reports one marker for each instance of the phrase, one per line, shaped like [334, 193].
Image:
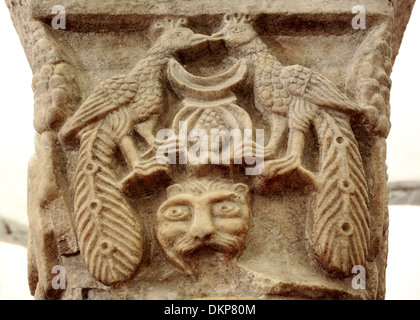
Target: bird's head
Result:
[172, 36]
[236, 31]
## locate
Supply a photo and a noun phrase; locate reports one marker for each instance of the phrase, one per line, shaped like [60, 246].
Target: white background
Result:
[16, 147]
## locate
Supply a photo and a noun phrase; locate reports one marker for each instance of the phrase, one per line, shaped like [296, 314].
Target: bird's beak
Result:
[197, 39]
[217, 36]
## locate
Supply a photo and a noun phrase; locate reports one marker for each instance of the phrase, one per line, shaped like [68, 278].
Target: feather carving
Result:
[341, 222]
[340, 226]
[110, 95]
[110, 237]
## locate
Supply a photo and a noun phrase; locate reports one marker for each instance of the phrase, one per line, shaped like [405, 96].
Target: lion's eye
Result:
[177, 213]
[226, 209]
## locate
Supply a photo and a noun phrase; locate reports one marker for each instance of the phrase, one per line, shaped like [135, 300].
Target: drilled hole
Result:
[93, 206]
[340, 140]
[346, 227]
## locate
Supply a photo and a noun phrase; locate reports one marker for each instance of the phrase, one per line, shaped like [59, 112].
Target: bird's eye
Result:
[226, 209]
[176, 35]
[236, 30]
[177, 213]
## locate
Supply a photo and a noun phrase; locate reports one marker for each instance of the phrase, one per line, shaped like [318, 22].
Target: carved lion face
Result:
[205, 214]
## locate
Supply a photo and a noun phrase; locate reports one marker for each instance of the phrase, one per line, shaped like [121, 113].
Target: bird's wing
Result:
[111, 94]
[270, 93]
[314, 88]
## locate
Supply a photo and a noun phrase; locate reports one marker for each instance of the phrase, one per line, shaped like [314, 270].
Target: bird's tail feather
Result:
[323, 92]
[341, 221]
[110, 237]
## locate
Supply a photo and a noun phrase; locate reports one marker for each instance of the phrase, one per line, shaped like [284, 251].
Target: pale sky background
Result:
[17, 146]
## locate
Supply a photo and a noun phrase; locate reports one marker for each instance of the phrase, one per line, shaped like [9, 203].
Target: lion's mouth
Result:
[220, 242]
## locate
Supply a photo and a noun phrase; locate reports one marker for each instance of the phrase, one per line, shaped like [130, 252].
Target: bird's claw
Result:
[284, 173]
[276, 168]
[144, 178]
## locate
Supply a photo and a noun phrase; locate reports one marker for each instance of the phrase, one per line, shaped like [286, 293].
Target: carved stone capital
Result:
[193, 149]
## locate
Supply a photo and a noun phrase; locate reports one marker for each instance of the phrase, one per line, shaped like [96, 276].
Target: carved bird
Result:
[340, 230]
[278, 90]
[110, 236]
[141, 92]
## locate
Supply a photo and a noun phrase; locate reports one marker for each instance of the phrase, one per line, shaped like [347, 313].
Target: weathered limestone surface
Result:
[296, 207]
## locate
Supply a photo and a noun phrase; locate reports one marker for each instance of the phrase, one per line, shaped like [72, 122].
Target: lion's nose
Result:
[202, 227]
